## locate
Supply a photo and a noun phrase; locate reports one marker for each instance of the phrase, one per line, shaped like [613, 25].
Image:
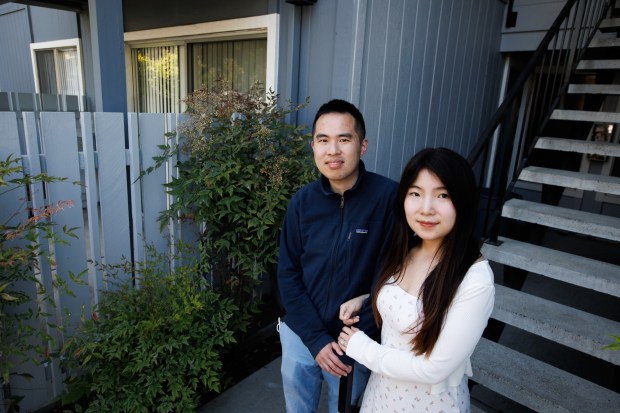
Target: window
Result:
[240, 62]
[156, 78]
[163, 65]
[57, 67]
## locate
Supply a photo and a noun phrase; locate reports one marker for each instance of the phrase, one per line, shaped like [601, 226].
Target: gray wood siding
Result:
[51, 24]
[15, 63]
[424, 73]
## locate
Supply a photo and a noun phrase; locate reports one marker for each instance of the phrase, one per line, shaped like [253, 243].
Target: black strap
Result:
[344, 394]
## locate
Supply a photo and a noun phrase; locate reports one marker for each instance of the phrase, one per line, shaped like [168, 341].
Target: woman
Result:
[434, 297]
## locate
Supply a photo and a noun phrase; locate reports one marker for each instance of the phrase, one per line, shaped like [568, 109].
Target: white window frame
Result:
[58, 44]
[234, 29]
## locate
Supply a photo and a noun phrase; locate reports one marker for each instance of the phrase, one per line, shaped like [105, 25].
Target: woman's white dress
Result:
[403, 382]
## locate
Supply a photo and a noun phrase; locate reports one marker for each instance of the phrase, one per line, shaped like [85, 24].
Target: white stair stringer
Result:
[580, 222]
[568, 326]
[581, 271]
[537, 385]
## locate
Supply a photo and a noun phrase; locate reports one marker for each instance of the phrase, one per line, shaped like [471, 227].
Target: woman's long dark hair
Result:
[458, 251]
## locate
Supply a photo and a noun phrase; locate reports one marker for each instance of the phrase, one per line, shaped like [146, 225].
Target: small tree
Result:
[242, 163]
[26, 334]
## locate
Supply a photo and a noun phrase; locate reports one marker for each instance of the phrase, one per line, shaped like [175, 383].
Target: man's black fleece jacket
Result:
[330, 248]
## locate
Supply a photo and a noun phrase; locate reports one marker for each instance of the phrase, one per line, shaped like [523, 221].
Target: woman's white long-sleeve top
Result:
[450, 359]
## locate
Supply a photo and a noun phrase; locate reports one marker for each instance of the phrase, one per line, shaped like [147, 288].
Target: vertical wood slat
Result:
[9, 145]
[152, 130]
[13, 203]
[135, 186]
[92, 215]
[59, 132]
[31, 143]
[112, 180]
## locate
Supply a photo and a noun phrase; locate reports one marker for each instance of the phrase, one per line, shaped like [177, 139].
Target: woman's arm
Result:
[463, 327]
[349, 309]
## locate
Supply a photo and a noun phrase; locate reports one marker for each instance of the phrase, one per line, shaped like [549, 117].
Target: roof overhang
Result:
[70, 5]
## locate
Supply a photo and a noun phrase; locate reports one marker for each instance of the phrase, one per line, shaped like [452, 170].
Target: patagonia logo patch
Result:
[361, 231]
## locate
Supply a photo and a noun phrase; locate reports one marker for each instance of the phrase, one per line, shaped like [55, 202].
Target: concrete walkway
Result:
[259, 393]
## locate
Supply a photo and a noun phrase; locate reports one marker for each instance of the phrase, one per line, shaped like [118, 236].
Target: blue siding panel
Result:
[430, 74]
[15, 63]
[51, 24]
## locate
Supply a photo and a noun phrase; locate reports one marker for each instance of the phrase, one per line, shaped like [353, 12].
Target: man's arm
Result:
[301, 315]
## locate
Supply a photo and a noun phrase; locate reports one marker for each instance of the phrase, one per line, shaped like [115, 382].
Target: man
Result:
[330, 247]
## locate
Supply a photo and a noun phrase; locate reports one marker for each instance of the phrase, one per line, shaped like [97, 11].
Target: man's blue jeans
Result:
[302, 377]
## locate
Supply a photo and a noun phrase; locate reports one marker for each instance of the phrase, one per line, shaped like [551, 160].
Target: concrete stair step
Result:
[580, 222]
[537, 385]
[586, 116]
[573, 269]
[570, 179]
[595, 89]
[562, 324]
[607, 64]
[610, 24]
[572, 145]
[476, 409]
[605, 42]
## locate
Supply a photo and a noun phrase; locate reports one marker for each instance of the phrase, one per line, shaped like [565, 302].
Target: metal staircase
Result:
[552, 229]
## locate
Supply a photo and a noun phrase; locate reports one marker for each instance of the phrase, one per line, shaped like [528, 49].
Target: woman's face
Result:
[429, 209]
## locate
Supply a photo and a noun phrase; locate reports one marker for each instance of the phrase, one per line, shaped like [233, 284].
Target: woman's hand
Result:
[345, 336]
[349, 310]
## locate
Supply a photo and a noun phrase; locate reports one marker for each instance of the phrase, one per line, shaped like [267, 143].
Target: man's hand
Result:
[328, 360]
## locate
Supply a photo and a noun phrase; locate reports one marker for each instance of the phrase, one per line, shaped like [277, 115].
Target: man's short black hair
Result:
[342, 106]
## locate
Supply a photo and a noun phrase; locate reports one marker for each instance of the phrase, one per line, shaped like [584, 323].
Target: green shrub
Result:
[615, 345]
[241, 162]
[153, 347]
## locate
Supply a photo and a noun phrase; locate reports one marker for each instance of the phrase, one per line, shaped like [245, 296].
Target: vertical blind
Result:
[156, 79]
[68, 71]
[47, 71]
[58, 71]
[240, 62]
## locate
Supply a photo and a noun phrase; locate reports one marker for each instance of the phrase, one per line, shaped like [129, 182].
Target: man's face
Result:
[337, 149]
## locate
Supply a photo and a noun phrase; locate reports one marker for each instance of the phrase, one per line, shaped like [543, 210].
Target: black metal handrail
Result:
[505, 144]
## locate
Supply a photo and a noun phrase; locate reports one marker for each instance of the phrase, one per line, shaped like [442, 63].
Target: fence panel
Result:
[13, 211]
[112, 207]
